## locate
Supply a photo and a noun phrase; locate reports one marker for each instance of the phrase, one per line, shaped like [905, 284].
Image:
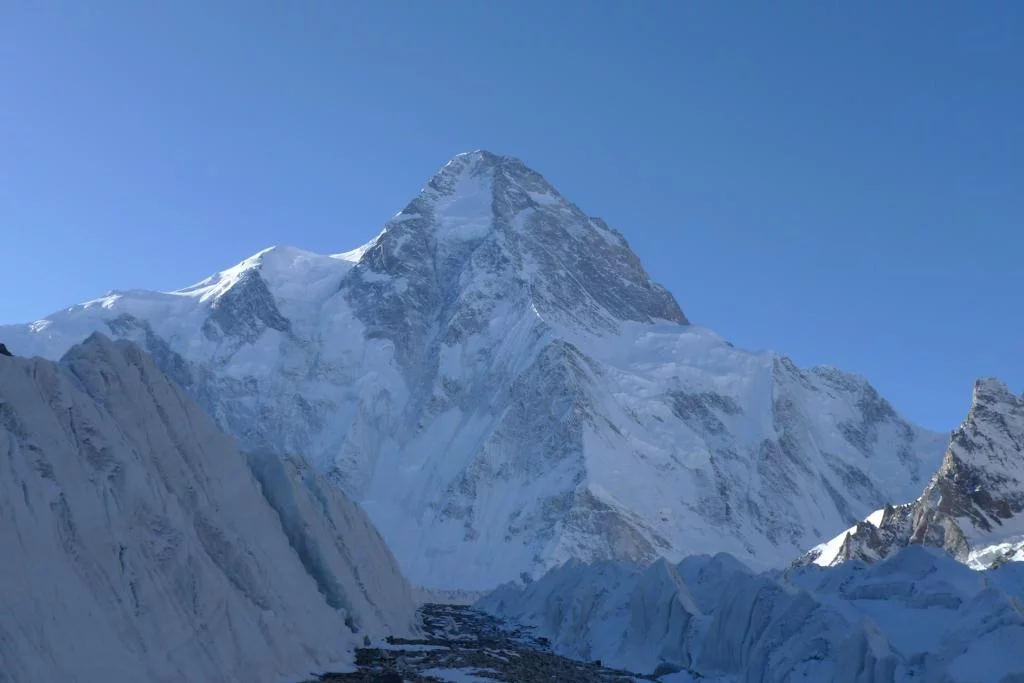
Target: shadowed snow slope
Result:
[917, 616]
[973, 507]
[501, 385]
[139, 545]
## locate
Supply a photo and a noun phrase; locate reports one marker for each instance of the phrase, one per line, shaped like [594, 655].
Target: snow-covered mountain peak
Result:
[481, 163]
[478, 192]
[996, 414]
[277, 266]
[993, 390]
[496, 377]
[981, 480]
[487, 230]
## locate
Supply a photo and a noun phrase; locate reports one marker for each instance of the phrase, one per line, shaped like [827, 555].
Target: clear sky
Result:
[839, 181]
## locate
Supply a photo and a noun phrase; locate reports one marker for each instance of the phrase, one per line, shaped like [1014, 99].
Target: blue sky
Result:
[842, 182]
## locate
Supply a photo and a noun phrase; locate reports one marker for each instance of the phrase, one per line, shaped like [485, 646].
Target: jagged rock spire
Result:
[975, 498]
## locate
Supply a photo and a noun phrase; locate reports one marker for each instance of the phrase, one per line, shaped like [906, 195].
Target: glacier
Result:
[139, 542]
[497, 381]
[918, 615]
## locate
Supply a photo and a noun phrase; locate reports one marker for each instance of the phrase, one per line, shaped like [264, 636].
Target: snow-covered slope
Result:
[917, 616]
[500, 384]
[139, 544]
[973, 506]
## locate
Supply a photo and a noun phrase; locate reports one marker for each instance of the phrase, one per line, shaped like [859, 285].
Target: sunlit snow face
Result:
[495, 377]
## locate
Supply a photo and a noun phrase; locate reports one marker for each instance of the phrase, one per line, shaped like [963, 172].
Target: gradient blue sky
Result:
[840, 181]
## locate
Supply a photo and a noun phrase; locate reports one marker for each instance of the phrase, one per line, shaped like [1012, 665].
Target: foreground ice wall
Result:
[138, 544]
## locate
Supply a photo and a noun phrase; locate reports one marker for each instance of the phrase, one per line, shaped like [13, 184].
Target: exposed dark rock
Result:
[245, 311]
[461, 638]
[978, 487]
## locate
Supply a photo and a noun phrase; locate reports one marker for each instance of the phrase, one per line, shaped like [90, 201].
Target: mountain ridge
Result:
[973, 505]
[494, 375]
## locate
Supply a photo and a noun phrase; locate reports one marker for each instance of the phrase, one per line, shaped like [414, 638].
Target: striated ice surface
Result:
[140, 544]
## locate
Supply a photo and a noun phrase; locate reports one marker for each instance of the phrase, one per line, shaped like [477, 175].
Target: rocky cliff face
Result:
[501, 385]
[140, 544]
[972, 507]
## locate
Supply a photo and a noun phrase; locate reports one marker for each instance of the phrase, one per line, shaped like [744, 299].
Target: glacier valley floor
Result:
[466, 645]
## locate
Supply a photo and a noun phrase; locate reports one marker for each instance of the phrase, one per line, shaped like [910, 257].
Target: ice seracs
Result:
[917, 615]
[139, 543]
[499, 382]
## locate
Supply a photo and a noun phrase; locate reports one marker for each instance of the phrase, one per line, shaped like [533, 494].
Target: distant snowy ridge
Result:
[973, 507]
[140, 544]
[916, 616]
[498, 381]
